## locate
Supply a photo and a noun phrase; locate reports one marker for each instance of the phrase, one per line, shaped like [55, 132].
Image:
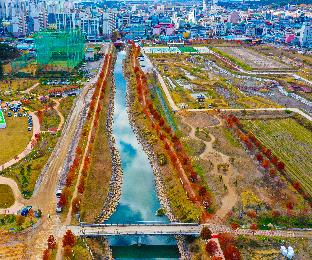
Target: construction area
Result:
[59, 51]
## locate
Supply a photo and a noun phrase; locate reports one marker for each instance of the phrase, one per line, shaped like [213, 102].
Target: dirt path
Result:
[56, 107]
[27, 91]
[163, 85]
[17, 194]
[230, 199]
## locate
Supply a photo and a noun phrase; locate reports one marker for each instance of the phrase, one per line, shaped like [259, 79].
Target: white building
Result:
[305, 37]
[90, 26]
[219, 29]
[192, 16]
[109, 22]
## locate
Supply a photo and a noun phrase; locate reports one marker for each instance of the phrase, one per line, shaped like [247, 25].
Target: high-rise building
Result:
[204, 6]
[109, 22]
[305, 37]
[90, 26]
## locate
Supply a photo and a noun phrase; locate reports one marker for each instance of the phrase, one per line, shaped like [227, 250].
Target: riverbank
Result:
[131, 96]
[105, 175]
[114, 193]
[148, 149]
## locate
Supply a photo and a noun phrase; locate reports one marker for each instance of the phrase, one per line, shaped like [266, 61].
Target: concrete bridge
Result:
[187, 229]
[136, 229]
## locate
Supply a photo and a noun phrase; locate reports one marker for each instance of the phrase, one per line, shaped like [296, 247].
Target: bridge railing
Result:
[83, 224]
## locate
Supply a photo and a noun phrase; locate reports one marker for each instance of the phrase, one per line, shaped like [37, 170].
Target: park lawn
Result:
[6, 196]
[26, 171]
[14, 138]
[291, 143]
[230, 138]
[100, 171]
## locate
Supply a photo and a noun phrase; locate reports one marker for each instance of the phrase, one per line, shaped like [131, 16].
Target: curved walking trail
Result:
[17, 194]
[230, 199]
[19, 201]
[56, 108]
[27, 91]
[29, 147]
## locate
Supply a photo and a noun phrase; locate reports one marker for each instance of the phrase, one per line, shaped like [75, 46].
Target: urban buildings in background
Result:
[160, 21]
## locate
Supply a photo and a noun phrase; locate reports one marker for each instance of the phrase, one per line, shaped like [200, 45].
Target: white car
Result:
[15, 114]
[58, 209]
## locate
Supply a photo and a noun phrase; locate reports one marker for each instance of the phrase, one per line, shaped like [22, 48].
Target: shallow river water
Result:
[139, 201]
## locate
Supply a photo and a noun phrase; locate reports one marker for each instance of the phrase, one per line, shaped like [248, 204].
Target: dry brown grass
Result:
[97, 183]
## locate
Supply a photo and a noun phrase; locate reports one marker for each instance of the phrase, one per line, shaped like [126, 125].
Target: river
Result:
[139, 201]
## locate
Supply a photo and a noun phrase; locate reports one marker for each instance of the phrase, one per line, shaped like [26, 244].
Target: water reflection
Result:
[139, 201]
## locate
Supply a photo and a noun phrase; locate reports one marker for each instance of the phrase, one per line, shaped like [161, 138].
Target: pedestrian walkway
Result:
[29, 147]
[17, 194]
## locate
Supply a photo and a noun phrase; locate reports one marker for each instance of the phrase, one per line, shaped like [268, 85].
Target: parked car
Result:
[25, 210]
[58, 193]
[58, 209]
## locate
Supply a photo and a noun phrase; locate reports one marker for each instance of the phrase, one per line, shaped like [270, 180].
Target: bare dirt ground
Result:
[215, 157]
[253, 59]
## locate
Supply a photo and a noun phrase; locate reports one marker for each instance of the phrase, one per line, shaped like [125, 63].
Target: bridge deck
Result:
[175, 229]
[154, 229]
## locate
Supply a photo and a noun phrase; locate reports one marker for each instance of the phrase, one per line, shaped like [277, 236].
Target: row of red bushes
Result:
[74, 169]
[270, 162]
[191, 182]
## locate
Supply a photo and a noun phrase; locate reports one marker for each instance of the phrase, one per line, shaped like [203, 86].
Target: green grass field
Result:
[289, 141]
[6, 196]
[187, 49]
[14, 138]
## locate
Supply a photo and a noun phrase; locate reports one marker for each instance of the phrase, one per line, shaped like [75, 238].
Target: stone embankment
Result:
[159, 182]
[148, 149]
[115, 184]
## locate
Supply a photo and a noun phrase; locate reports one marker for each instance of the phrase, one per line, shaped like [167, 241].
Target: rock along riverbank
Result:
[159, 182]
[115, 184]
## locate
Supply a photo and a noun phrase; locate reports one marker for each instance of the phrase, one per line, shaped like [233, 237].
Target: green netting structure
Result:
[20, 62]
[61, 49]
